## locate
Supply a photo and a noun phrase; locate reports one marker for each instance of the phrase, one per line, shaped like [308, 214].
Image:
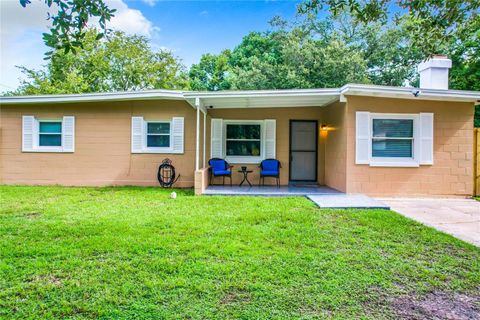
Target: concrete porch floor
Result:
[291, 190]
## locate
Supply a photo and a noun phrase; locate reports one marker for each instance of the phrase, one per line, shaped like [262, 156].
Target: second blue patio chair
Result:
[270, 168]
[220, 168]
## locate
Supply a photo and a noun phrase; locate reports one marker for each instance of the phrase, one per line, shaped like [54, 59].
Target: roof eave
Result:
[411, 93]
[94, 97]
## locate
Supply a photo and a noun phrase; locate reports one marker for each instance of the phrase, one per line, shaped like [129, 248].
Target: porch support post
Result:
[204, 138]
[197, 144]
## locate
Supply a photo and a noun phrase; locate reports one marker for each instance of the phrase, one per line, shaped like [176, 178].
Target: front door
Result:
[303, 150]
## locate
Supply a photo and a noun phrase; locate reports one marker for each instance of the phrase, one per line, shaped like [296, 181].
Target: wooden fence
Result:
[476, 161]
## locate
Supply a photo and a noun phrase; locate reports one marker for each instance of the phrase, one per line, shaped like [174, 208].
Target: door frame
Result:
[290, 151]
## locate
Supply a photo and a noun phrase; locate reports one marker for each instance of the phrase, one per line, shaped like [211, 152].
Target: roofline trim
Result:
[349, 89]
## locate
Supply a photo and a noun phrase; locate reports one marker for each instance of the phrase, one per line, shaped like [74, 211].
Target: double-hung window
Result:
[158, 134]
[243, 139]
[49, 133]
[392, 138]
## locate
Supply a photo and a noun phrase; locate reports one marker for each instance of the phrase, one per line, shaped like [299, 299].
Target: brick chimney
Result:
[434, 72]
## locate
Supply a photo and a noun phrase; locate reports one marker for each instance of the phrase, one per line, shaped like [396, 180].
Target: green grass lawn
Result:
[135, 253]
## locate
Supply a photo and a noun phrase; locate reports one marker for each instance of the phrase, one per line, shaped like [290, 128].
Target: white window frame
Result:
[414, 161]
[244, 159]
[147, 149]
[37, 146]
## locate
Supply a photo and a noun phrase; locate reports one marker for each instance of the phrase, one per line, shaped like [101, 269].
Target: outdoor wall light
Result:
[324, 127]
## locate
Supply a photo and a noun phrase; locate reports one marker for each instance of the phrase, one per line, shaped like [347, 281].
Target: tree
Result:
[69, 24]
[120, 63]
[211, 73]
[432, 24]
[286, 60]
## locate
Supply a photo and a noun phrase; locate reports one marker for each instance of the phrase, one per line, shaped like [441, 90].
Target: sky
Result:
[187, 28]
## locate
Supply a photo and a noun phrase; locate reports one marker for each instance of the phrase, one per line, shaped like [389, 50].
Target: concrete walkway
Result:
[458, 217]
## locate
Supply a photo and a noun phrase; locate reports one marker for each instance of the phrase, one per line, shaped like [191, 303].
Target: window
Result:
[243, 139]
[392, 138]
[50, 134]
[158, 134]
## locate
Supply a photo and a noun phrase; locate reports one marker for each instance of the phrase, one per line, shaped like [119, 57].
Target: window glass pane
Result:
[243, 148]
[158, 141]
[153, 127]
[243, 131]
[393, 128]
[392, 148]
[50, 140]
[50, 127]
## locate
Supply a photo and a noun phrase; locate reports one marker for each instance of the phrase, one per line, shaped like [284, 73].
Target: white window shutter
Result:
[68, 134]
[217, 139]
[270, 134]
[426, 138]
[137, 134]
[28, 133]
[362, 137]
[177, 134]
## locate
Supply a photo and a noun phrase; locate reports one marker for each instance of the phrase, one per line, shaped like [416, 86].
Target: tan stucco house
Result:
[367, 139]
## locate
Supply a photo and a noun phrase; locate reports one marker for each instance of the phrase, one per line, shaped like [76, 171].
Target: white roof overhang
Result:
[258, 98]
[410, 93]
[93, 97]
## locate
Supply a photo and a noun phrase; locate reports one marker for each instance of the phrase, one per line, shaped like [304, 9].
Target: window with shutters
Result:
[243, 141]
[157, 136]
[48, 135]
[394, 140]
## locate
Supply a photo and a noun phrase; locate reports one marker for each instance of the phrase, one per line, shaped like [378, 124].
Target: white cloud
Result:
[130, 21]
[151, 3]
[21, 34]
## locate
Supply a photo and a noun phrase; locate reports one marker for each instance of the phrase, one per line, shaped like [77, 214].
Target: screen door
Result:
[303, 150]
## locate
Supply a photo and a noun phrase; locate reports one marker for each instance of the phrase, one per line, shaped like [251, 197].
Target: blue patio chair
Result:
[270, 168]
[220, 168]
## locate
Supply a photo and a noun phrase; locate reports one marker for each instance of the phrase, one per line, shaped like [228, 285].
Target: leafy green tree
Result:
[432, 24]
[69, 23]
[211, 73]
[120, 63]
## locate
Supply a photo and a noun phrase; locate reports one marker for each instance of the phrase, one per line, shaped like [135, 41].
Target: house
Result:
[368, 139]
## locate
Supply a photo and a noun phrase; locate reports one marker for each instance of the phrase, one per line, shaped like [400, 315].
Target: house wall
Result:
[102, 145]
[283, 117]
[452, 171]
[335, 146]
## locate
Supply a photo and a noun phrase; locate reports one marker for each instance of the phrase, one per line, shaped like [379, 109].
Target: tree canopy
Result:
[119, 63]
[69, 23]
[432, 24]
